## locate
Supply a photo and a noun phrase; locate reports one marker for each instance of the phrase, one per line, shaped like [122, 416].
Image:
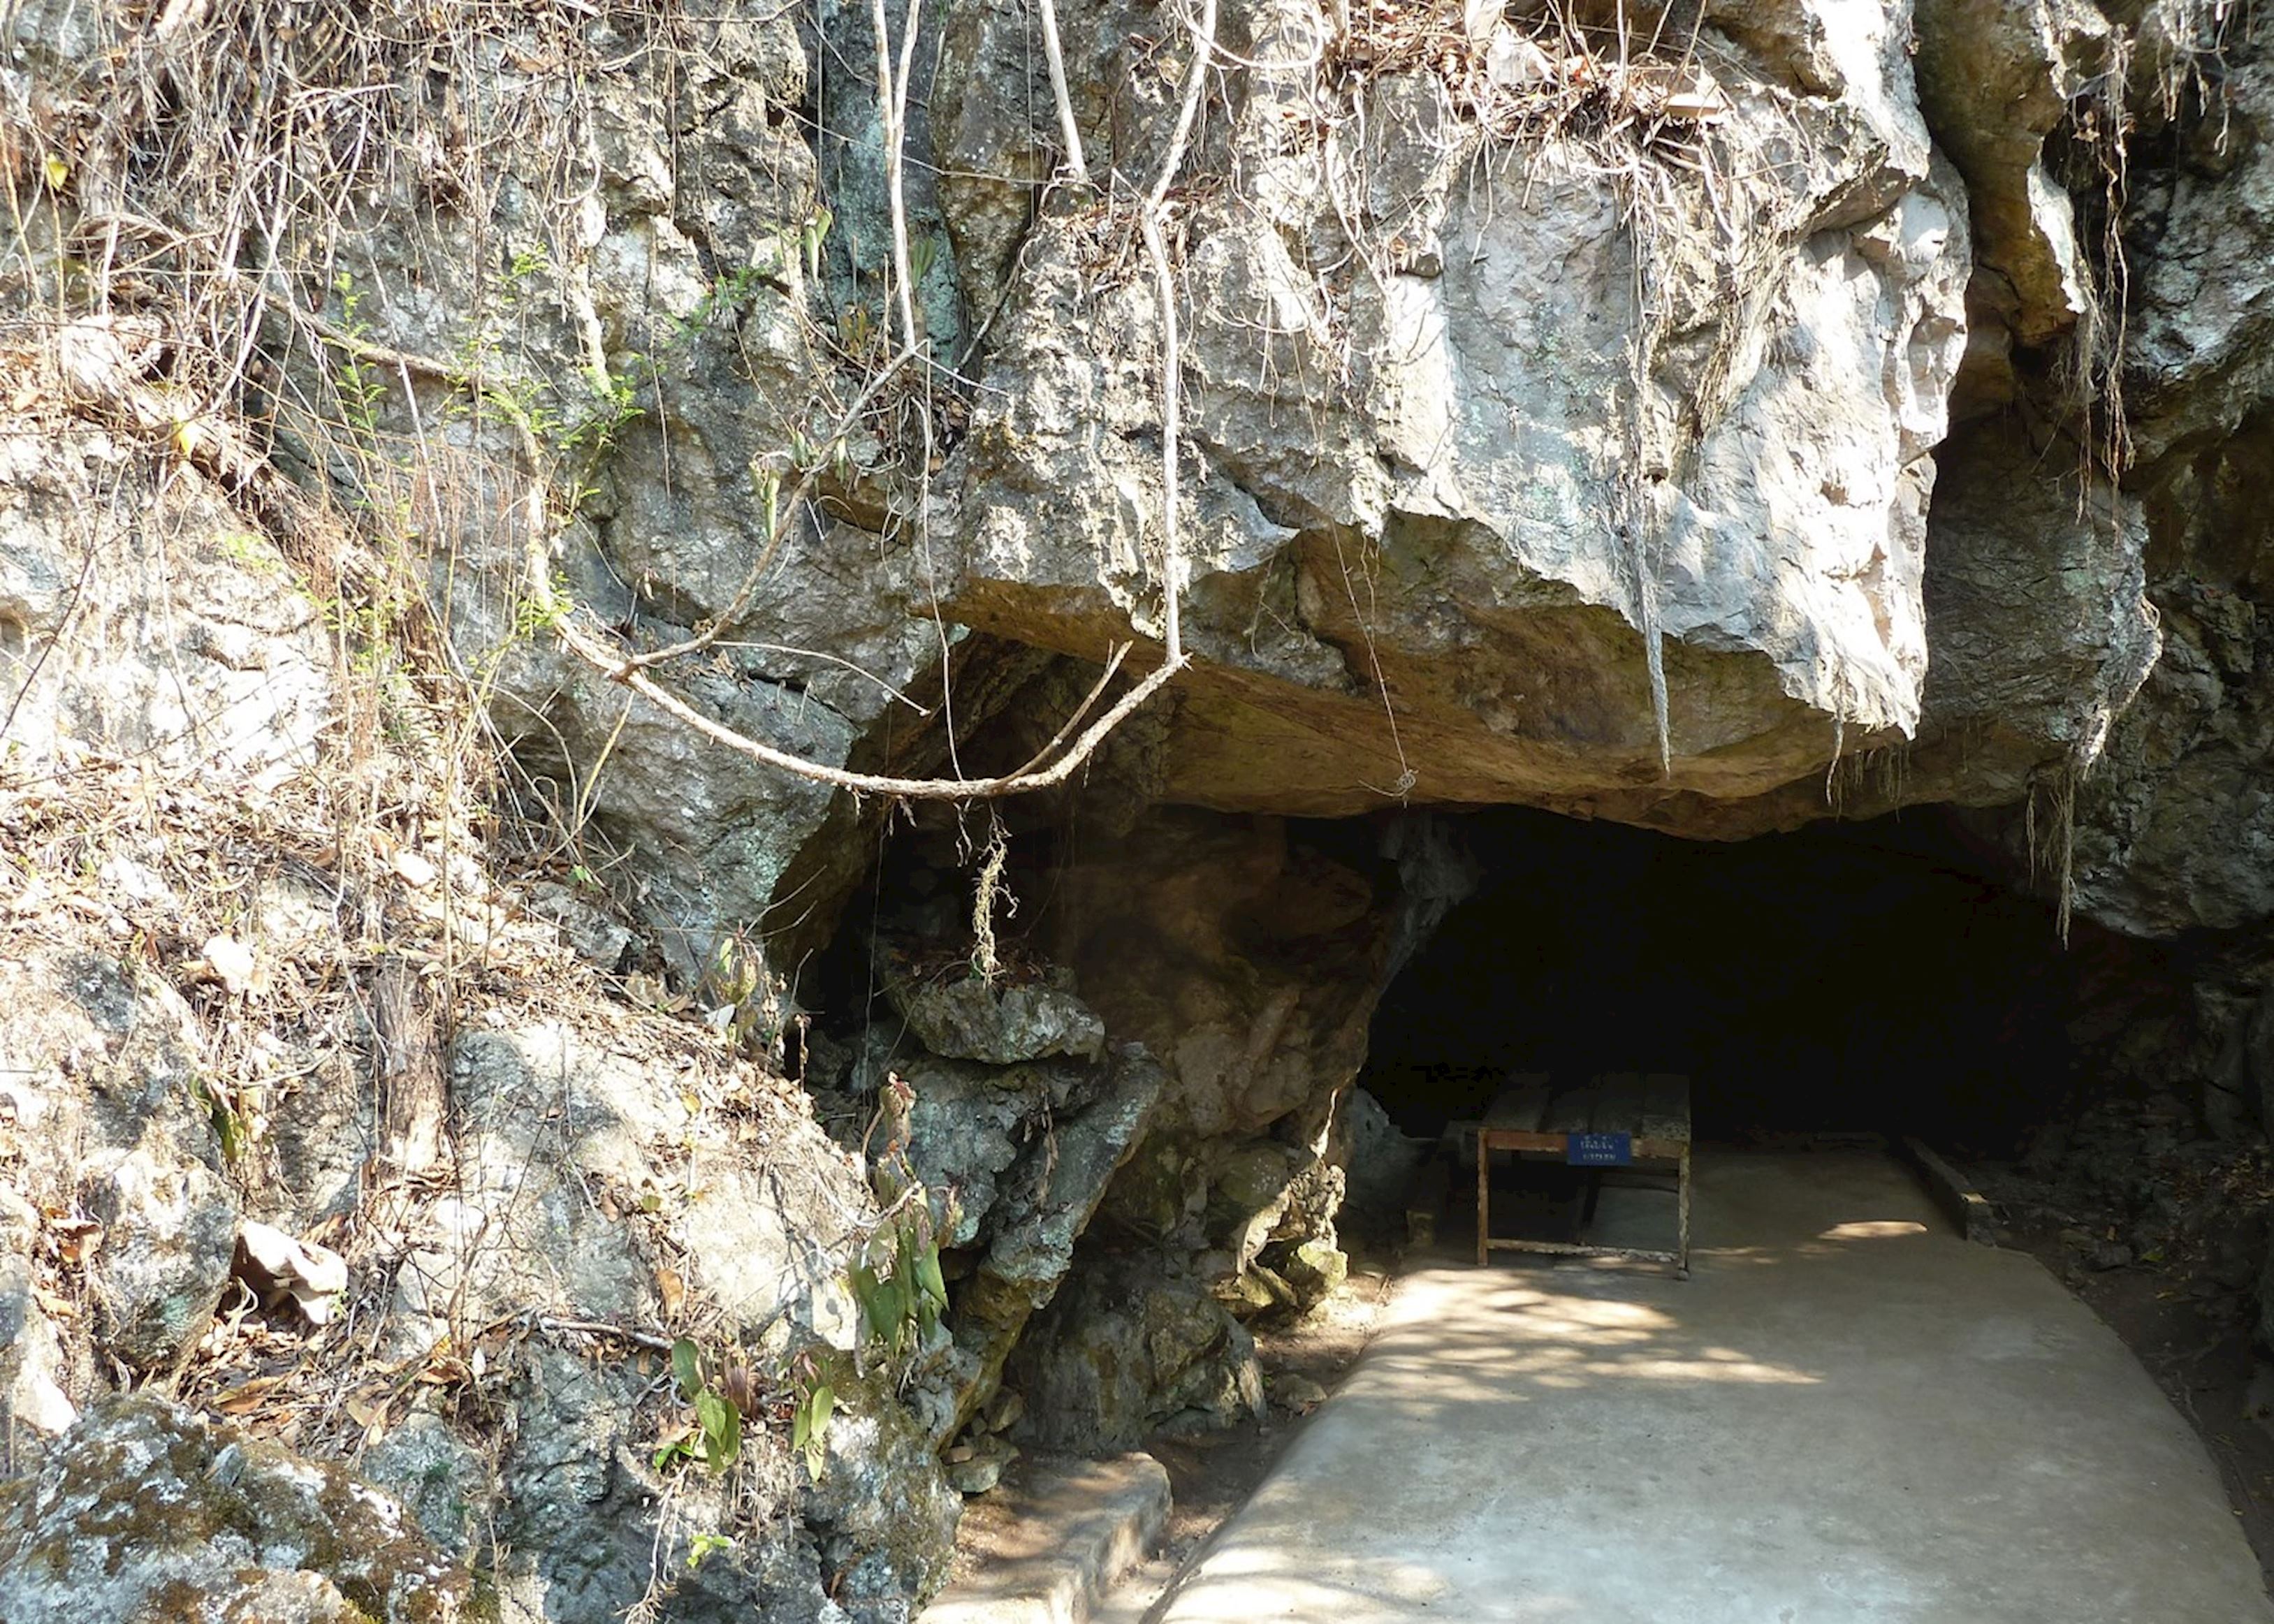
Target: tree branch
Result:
[1077, 167]
[1173, 381]
[893, 110]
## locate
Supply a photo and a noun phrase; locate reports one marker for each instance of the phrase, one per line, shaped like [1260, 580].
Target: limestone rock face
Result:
[1030, 1151]
[142, 1511]
[561, 1146]
[1472, 426]
[33, 1403]
[1232, 951]
[169, 1228]
[1127, 1347]
[962, 1016]
[102, 1060]
[1996, 78]
[2199, 362]
[177, 638]
[2176, 827]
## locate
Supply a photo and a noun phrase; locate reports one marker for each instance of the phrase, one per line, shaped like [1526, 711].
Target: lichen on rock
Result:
[142, 1510]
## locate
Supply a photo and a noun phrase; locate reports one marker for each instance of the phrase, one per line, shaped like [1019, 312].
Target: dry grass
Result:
[171, 291]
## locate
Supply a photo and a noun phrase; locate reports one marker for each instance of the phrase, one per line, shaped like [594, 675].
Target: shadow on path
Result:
[1846, 1416]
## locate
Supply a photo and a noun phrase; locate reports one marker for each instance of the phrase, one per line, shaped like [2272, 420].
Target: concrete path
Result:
[1846, 1416]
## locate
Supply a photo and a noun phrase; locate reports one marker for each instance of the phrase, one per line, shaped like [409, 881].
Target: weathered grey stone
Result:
[2258, 1058]
[544, 1115]
[2198, 364]
[33, 1403]
[102, 1058]
[1441, 525]
[883, 1510]
[976, 1467]
[981, 120]
[964, 1017]
[1995, 78]
[1248, 963]
[1029, 1151]
[2175, 823]
[598, 939]
[1316, 1269]
[142, 1511]
[1379, 1164]
[177, 639]
[170, 1229]
[440, 1478]
[2042, 631]
[1127, 1347]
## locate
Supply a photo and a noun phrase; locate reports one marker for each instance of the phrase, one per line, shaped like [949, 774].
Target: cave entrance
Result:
[1850, 984]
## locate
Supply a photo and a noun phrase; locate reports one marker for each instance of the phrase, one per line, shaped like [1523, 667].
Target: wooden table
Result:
[1616, 1120]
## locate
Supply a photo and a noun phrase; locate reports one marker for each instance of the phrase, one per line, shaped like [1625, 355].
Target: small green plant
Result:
[703, 1546]
[814, 232]
[808, 1425]
[361, 390]
[901, 1297]
[741, 997]
[923, 254]
[896, 1279]
[228, 1124]
[716, 1438]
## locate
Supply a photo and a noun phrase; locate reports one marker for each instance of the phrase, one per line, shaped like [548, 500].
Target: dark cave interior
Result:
[1879, 976]
[1859, 977]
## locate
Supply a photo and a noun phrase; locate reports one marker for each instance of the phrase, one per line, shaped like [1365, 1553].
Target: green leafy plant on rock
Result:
[725, 1393]
[896, 1278]
[817, 1401]
[716, 1438]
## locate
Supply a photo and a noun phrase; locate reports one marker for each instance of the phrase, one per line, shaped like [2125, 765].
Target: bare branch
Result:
[629, 670]
[1062, 756]
[1172, 378]
[709, 632]
[893, 110]
[1077, 167]
[597, 655]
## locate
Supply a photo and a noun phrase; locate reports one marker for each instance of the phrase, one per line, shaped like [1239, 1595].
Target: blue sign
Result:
[1599, 1149]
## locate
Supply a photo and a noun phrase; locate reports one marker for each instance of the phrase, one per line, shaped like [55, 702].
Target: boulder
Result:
[169, 1230]
[143, 1511]
[960, 1015]
[1129, 1346]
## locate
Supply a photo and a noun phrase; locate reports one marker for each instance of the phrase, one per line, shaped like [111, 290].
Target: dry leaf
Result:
[270, 1261]
[368, 1410]
[246, 1394]
[77, 1239]
[673, 1291]
[230, 962]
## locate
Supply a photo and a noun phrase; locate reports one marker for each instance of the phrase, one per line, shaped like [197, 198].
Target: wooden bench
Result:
[1619, 1118]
